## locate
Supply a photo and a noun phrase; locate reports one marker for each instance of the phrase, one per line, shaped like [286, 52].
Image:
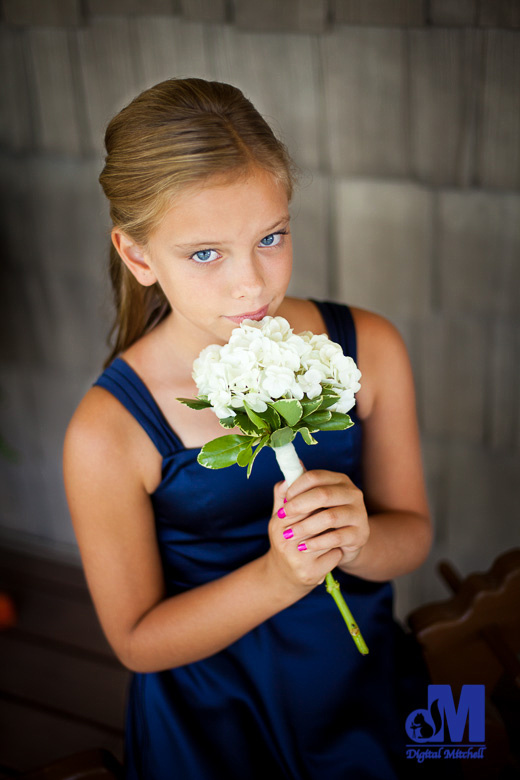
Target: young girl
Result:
[243, 666]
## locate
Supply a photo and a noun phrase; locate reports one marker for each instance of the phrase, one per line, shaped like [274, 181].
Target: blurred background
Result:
[404, 117]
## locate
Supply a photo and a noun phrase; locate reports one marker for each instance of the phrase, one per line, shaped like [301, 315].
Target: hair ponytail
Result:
[139, 308]
[175, 134]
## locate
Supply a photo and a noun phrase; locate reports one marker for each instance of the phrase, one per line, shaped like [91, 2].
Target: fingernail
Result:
[288, 533]
[302, 546]
[281, 513]
[285, 500]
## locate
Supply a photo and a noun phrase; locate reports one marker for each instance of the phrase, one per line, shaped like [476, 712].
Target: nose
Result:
[247, 277]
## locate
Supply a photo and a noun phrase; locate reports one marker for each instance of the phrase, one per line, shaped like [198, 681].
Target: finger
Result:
[316, 478]
[321, 497]
[349, 538]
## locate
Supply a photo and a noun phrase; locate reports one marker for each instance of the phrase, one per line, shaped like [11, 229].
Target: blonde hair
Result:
[173, 135]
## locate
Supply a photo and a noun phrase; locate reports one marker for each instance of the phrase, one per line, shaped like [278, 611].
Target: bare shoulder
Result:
[382, 358]
[104, 434]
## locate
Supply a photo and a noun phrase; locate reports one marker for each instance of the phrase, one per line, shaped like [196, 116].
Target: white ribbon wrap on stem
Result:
[289, 462]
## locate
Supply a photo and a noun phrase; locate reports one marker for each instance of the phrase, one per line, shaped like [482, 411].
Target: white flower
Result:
[277, 381]
[264, 360]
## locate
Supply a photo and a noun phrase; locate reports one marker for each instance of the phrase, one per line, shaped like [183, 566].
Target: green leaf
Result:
[271, 417]
[282, 436]
[255, 418]
[223, 451]
[228, 422]
[329, 398]
[306, 434]
[290, 409]
[262, 443]
[246, 425]
[195, 403]
[244, 456]
[318, 418]
[309, 406]
[337, 422]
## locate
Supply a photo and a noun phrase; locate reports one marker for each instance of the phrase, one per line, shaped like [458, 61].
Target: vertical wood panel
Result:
[446, 12]
[384, 241]
[401, 13]
[125, 7]
[309, 227]
[43, 12]
[204, 10]
[278, 74]
[57, 122]
[504, 379]
[366, 118]
[109, 73]
[16, 125]
[499, 13]
[306, 16]
[445, 70]
[169, 48]
[483, 505]
[499, 151]
[479, 247]
[453, 377]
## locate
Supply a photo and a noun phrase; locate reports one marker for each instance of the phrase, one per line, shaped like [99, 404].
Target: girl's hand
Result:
[325, 512]
[302, 570]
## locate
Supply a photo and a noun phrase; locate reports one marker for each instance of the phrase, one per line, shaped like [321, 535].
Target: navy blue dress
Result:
[293, 698]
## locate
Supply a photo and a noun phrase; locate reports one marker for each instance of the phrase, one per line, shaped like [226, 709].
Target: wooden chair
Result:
[97, 764]
[474, 638]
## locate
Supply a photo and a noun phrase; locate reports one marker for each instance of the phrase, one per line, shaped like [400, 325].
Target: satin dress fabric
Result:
[293, 698]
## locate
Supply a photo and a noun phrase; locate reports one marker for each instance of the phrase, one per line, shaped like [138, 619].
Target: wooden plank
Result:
[212, 11]
[453, 376]
[499, 13]
[49, 12]
[55, 677]
[446, 13]
[444, 91]
[30, 738]
[305, 16]
[57, 122]
[170, 48]
[309, 228]
[498, 162]
[366, 120]
[383, 238]
[503, 421]
[483, 498]
[290, 102]
[16, 121]
[403, 13]
[478, 249]
[109, 73]
[126, 7]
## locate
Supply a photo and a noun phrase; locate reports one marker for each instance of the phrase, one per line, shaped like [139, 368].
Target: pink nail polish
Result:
[285, 500]
[302, 546]
[281, 513]
[288, 533]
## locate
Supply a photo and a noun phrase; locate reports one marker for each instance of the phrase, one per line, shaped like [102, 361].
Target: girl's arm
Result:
[113, 520]
[384, 531]
[394, 490]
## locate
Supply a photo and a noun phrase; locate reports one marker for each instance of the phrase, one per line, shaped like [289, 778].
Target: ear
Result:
[134, 257]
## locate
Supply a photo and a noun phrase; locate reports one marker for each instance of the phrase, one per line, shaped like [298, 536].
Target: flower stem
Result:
[291, 468]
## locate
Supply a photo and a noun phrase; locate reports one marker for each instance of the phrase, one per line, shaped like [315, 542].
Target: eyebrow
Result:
[194, 244]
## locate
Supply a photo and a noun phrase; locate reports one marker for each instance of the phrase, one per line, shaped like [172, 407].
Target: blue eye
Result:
[272, 239]
[204, 255]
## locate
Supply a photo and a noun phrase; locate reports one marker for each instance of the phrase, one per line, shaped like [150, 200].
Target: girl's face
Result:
[222, 250]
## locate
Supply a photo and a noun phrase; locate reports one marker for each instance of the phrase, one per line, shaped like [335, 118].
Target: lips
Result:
[255, 315]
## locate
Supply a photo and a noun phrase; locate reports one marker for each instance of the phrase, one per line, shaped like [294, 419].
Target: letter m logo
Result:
[471, 710]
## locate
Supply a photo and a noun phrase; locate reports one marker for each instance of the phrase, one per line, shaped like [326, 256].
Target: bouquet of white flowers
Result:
[273, 384]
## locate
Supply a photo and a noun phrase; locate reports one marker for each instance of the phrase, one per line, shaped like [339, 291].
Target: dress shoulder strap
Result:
[120, 379]
[340, 324]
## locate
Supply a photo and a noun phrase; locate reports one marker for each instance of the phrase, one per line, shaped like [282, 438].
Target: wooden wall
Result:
[405, 116]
